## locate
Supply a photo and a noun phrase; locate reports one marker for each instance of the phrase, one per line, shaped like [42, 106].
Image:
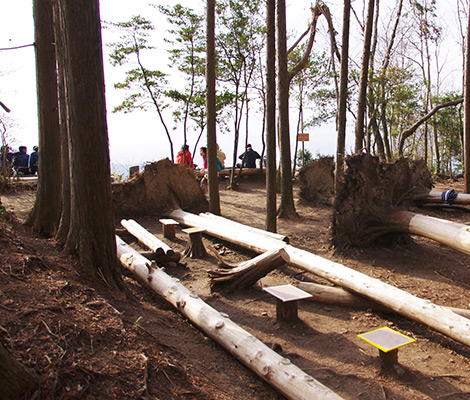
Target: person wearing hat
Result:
[249, 157]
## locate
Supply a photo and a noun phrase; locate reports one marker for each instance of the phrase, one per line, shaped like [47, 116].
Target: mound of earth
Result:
[157, 190]
[370, 191]
[316, 181]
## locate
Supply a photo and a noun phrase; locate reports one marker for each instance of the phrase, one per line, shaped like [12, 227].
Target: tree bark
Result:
[15, 380]
[362, 99]
[287, 207]
[466, 95]
[214, 200]
[45, 215]
[274, 369]
[342, 102]
[271, 222]
[91, 232]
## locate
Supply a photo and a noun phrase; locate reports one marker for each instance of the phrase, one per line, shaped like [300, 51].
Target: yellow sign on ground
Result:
[386, 339]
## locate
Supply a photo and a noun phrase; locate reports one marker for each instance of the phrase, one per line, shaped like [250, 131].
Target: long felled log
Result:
[248, 272]
[273, 368]
[424, 311]
[341, 297]
[145, 237]
[239, 226]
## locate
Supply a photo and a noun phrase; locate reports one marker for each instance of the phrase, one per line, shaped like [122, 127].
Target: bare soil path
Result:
[87, 342]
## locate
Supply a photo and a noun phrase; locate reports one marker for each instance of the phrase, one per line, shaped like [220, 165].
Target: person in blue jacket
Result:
[21, 161]
[33, 160]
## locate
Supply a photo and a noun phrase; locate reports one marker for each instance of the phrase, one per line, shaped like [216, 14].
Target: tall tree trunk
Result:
[270, 223]
[214, 201]
[362, 100]
[286, 208]
[343, 97]
[466, 117]
[64, 224]
[91, 232]
[45, 215]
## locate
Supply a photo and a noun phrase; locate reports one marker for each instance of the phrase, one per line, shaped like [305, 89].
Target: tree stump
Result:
[194, 248]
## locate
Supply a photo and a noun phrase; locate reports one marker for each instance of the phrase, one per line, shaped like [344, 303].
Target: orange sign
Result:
[303, 137]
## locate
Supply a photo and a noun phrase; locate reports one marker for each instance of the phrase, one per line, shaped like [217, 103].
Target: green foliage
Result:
[450, 129]
[145, 87]
[308, 157]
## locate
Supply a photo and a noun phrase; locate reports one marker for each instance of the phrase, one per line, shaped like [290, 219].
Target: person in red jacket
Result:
[184, 157]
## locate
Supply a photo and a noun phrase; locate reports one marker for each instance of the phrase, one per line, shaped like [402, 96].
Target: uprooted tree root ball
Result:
[157, 190]
[316, 181]
[371, 191]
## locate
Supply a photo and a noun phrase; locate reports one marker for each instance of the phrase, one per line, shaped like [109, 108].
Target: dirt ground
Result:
[85, 341]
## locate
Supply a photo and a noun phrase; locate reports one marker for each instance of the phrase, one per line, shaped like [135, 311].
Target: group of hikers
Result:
[248, 158]
[20, 161]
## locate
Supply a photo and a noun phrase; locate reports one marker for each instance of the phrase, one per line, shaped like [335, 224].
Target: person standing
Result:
[21, 161]
[184, 157]
[249, 157]
[33, 160]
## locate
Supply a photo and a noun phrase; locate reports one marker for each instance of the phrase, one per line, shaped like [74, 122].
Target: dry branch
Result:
[248, 272]
[270, 366]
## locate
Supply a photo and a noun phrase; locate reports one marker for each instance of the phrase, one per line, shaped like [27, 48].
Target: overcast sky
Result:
[138, 137]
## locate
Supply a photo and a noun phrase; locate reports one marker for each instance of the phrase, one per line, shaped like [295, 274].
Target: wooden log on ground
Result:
[247, 273]
[435, 197]
[161, 258]
[270, 366]
[449, 233]
[226, 172]
[237, 225]
[404, 303]
[146, 238]
[341, 297]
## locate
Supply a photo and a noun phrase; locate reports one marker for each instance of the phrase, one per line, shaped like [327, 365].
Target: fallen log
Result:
[424, 311]
[226, 172]
[341, 297]
[436, 197]
[449, 233]
[270, 366]
[146, 238]
[237, 225]
[247, 273]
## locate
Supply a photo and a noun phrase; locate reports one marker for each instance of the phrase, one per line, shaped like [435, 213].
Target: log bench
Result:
[169, 226]
[388, 341]
[195, 247]
[287, 299]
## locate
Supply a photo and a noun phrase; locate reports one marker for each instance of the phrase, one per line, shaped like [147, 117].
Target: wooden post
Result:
[169, 226]
[133, 171]
[287, 311]
[194, 248]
